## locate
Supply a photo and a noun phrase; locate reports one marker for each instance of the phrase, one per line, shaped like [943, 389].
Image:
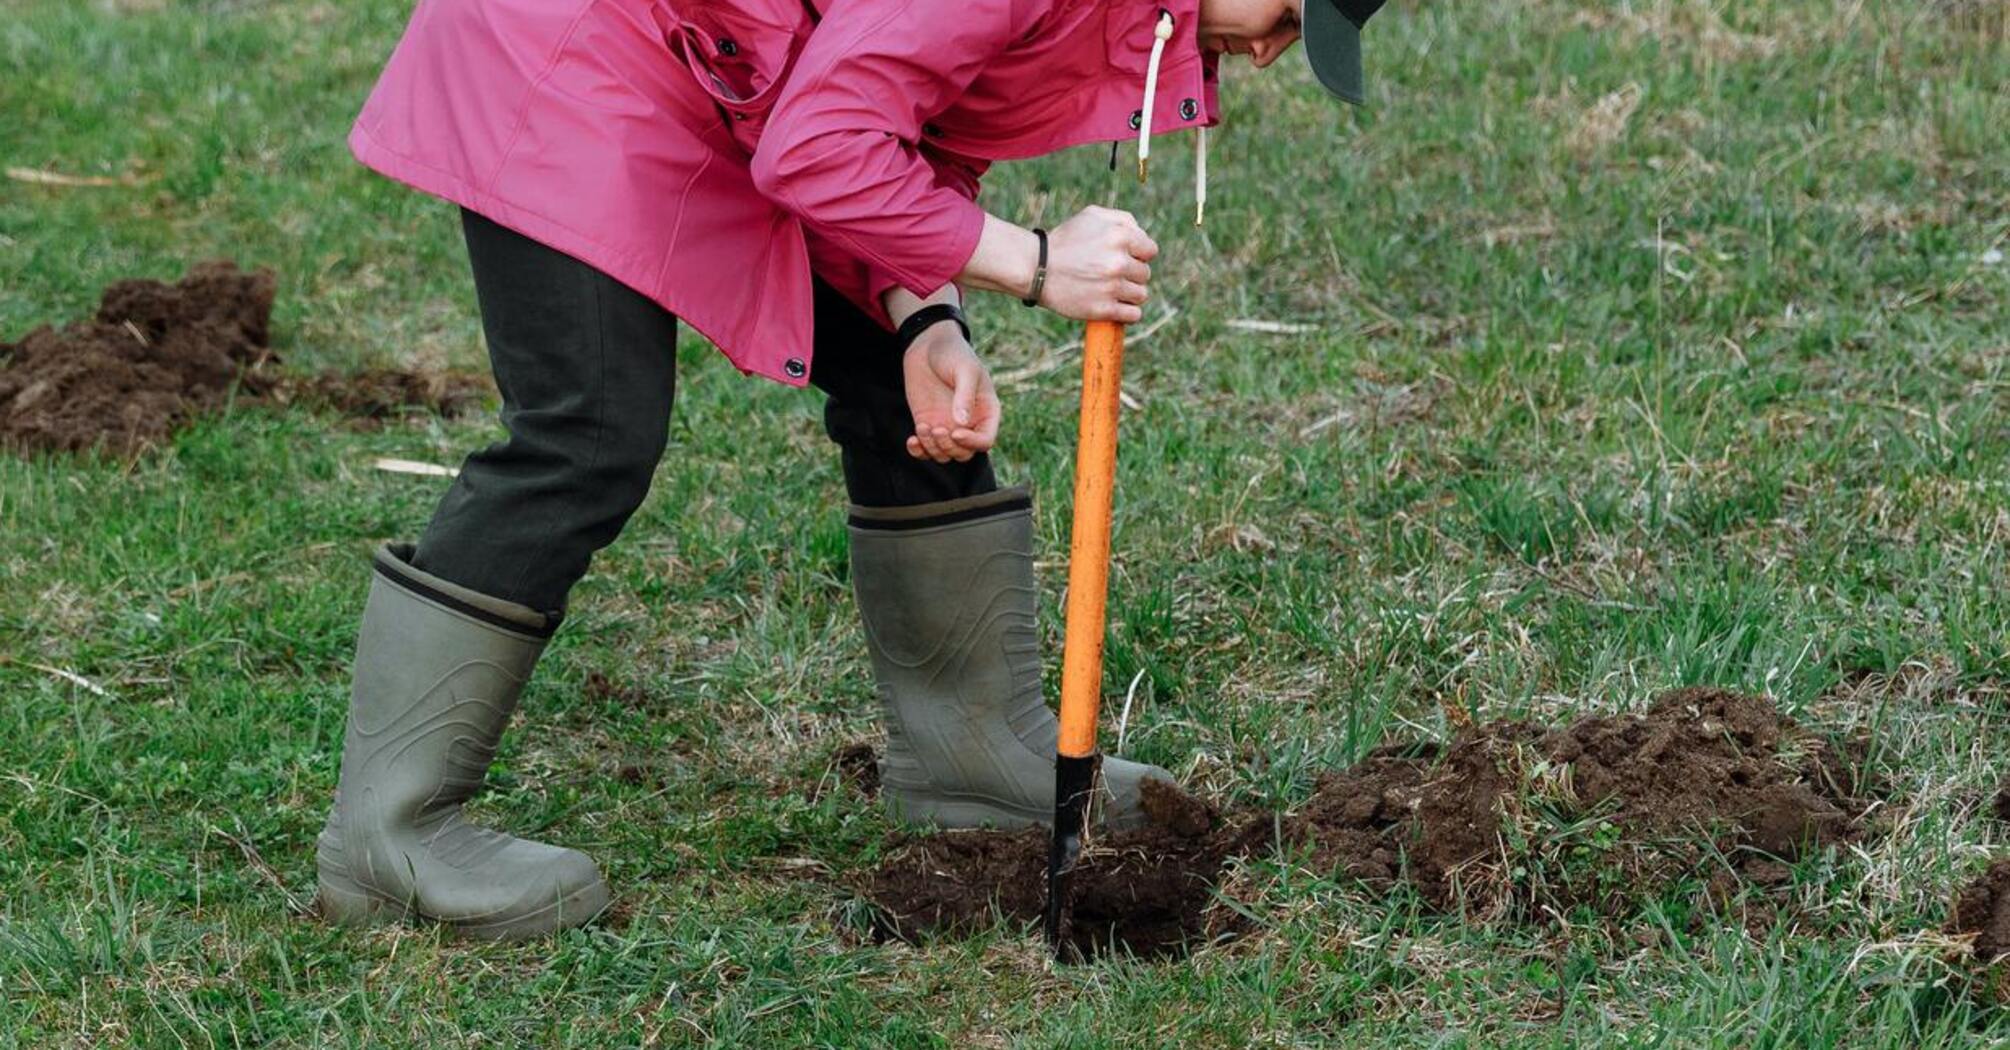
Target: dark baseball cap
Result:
[1332, 33]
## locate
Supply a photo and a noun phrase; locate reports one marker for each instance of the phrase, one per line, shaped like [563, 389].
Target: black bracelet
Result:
[1039, 271]
[911, 329]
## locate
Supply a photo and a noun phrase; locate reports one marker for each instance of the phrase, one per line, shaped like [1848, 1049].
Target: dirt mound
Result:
[1507, 820]
[157, 355]
[1146, 891]
[1594, 814]
[154, 356]
[1982, 910]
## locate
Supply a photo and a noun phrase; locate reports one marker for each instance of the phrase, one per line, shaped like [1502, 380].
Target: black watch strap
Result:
[911, 329]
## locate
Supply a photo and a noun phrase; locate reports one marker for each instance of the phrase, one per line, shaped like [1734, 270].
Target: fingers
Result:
[935, 444]
[1142, 246]
[1125, 304]
[981, 434]
[982, 437]
[1102, 269]
[1132, 237]
[1133, 242]
[974, 441]
[974, 427]
[1129, 285]
[1122, 313]
[941, 444]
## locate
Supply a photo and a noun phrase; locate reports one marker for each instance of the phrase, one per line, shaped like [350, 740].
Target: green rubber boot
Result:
[950, 608]
[438, 671]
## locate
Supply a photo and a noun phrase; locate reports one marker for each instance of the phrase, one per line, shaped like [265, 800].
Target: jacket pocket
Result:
[739, 53]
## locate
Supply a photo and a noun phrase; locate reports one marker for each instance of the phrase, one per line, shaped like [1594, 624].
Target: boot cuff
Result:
[996, 504]
[394, 564]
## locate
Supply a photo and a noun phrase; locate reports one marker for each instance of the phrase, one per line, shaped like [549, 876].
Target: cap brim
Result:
[1333, 46]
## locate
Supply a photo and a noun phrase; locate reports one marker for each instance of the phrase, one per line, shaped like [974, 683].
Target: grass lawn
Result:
[1646, 344]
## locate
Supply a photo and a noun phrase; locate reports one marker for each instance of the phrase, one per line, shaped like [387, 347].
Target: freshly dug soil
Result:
[153, 357]
[1146, 891]
[1982, 909]
[1507, 820]
[157, 355]
[385, 393]
[1597, 813]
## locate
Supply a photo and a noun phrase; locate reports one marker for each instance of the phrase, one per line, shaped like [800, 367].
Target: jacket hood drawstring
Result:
[1199, 174]
[1160, 34]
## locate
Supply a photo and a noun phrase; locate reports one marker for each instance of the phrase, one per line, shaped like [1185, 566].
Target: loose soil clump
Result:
[858, 769]
[1982, 910]
[155, 356]
[1145, 891]
[1705, 791]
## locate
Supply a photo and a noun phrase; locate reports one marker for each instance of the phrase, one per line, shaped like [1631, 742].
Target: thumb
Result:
[968, 379]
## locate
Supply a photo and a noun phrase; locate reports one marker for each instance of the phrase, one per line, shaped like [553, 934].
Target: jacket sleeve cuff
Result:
[956, 245]
[877, 283]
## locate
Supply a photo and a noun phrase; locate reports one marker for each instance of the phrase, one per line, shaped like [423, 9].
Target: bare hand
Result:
[1097, 267]
[949, 392]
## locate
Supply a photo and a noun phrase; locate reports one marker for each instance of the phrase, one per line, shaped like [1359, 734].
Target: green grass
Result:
[1601, 400]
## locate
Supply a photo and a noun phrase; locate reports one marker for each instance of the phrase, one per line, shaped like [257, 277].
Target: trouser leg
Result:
[857, 364]
[586, 367]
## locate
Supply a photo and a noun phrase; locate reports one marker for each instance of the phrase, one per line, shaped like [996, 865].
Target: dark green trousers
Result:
[587, 370]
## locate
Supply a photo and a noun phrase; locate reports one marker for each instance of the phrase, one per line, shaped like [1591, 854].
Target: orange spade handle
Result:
[1089, 542]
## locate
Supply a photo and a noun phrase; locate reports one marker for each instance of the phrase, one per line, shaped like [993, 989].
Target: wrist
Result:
[931, 324]
[1006, 258]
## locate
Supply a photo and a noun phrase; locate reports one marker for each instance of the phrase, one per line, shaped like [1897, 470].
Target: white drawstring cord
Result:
[1199, 173]
[1162, 33]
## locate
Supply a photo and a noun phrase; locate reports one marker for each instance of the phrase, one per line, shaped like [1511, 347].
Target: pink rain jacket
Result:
[712, 153]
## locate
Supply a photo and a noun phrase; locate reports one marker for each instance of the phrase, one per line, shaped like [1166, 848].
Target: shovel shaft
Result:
[1088, 590]
[1089, 543]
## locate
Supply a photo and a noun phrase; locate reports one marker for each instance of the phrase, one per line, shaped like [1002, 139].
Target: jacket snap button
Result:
[727, 47]
[1137, 119]
[1188, 109]
[794, 367]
